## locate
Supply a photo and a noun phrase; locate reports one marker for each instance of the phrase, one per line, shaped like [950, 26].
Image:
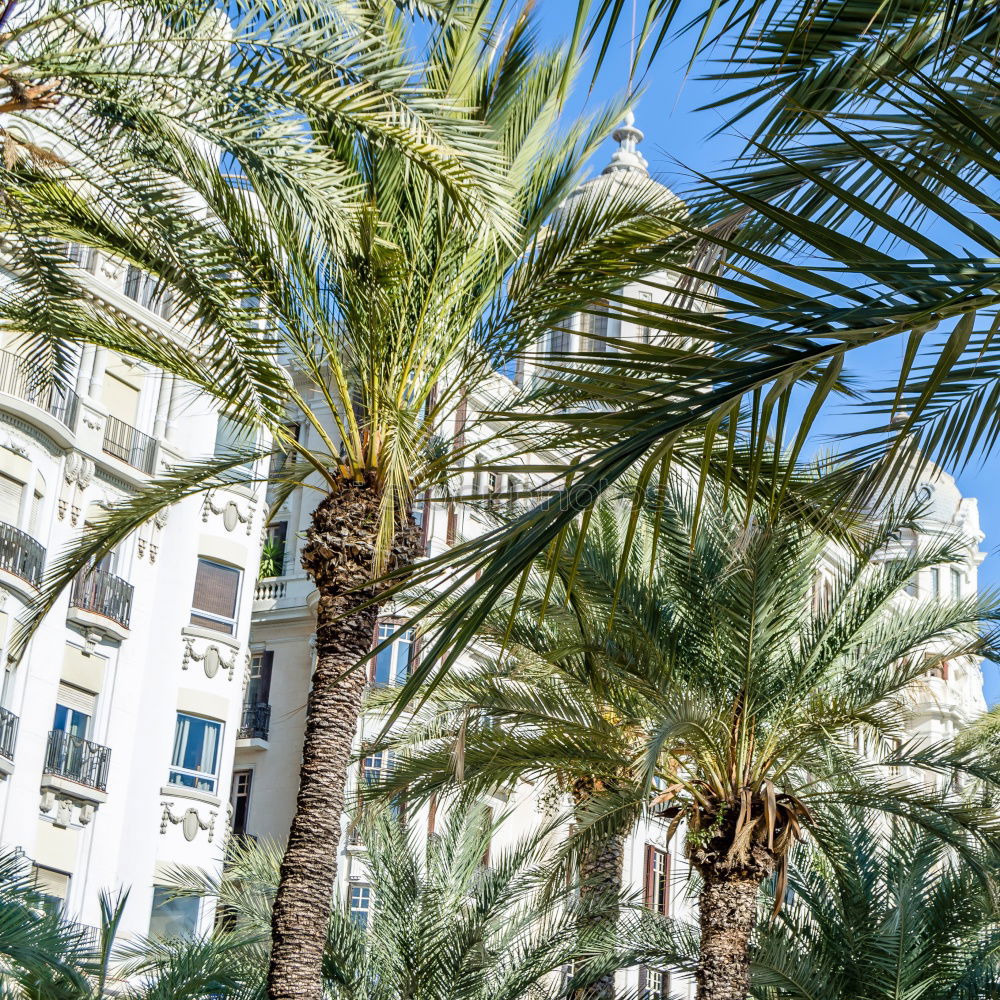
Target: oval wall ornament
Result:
[230, 515]
[212, 661]
[190, 825]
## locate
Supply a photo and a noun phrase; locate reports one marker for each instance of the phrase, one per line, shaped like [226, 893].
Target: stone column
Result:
[86, 369]
[163, 405]
[97, 376]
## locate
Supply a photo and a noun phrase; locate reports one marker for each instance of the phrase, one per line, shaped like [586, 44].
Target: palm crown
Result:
[709, 683]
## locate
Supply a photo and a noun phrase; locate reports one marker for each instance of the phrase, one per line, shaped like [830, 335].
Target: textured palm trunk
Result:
[601, 867]
[727, 913]
[339, 555]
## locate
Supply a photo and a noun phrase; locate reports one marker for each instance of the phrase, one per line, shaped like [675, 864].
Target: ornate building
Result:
[118, 724]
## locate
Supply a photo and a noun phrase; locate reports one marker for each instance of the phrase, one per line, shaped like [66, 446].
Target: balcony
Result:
[255, 722]
[32, 383]
[8, 736]
[129, 444]
[21, 555]
[103, 594]
[77, 760]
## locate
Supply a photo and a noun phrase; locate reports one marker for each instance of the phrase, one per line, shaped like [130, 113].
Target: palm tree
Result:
[695, 673]
[861, 211]
[889, 913]
[387, 329]
[440, 923]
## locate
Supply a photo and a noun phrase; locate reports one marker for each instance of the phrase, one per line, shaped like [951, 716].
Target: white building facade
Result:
[118, 724]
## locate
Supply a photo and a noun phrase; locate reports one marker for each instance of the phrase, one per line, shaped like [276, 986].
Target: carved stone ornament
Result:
[230, 511]
[92, 421]
[189, 821]
[212, 658]
[62, 806]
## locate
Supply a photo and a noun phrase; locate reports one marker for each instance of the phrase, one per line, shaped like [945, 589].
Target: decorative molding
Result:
[230, 512]
[78, 474]
[212, 658]
[32, 433]
[112, 480]
[91, 420]
[149, 535]
[189, 821]
[62, 806]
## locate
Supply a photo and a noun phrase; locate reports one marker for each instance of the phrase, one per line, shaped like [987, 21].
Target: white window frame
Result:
[360, 914]
[198, 612]
[199, 776]
[406, 637]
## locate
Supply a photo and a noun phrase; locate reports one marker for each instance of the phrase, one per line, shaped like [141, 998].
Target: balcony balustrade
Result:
[77, 759]
[21, 554]
[103, 594]
[8, 733]
[31, 383]
[129, 444]
[255, 722]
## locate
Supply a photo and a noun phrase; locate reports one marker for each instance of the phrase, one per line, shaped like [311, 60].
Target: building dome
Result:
[627, 167]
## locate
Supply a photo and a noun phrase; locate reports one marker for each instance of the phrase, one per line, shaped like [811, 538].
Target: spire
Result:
[627, 157]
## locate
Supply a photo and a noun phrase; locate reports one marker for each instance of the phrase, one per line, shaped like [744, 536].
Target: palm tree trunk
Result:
[727, 914]
[601, 881]
[340, 557]
[600, 871]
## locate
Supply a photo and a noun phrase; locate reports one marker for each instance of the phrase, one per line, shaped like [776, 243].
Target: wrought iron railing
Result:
[78, 759]
[34, 385]
[256, 722]
[21, 554]
[104, 594]
[8, 733]
[130, 445]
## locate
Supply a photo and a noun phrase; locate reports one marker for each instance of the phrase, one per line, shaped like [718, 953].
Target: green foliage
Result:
[697, 671]
[442, 924]
[886, 912]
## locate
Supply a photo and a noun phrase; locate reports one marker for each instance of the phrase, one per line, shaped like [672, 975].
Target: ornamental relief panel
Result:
[189, 821]
[231, 512]
[213, 657]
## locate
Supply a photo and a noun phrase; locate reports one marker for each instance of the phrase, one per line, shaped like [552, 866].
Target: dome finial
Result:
[627, 156]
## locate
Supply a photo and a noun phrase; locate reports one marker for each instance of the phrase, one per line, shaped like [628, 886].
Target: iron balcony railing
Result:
[21, 554]
[104, 594]
[130, 445]
[8, 733]
[78, 759]
[33, 384]
[256, 721]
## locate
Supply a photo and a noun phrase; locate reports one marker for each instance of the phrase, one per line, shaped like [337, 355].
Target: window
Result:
[258, 690]
[233, 436]
[376, 767]
[360, 905]
[11, 491]
[195, 760]
[654, 984]
[53, 887]
[594, 326]
[644, 333]
[216, 589]
[272, 556]
[120, 393]
[657, 887]
[145, 289]
[74, 710]
[935, 583]
[956, 583]
[280, 458]
[451, 525]
[80, 255]
[513, 488]
[239, 799]
[560, 340]
[173, 916]
[392, 664]
[910, 587]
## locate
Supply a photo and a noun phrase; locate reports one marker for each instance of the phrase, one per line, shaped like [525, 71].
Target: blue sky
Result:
[679, 139]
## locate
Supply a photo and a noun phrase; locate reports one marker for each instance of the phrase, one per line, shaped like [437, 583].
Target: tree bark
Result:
[339, 555]
[600, 872]
[727, 913]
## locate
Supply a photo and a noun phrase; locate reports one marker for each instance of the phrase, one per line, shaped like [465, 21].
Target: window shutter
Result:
[10, 499]
[77, 699]
[51, 883]
[264, 685]
[121, 398]
[642, 981]
[215, 588]
[647, 894]
[452, 529]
